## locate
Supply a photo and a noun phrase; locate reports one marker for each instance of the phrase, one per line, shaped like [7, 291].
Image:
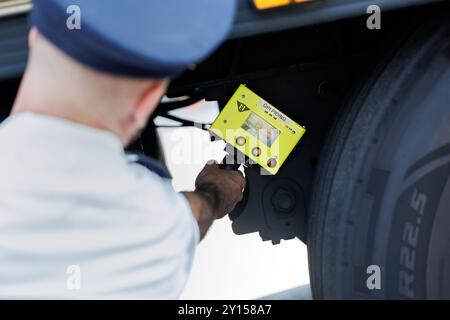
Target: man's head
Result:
[58, 85]
[111, 70]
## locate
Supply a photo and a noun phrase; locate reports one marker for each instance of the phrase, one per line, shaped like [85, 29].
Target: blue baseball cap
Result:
[137, 38]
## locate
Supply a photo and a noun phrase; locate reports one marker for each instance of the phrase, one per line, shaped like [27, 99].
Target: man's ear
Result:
[32, 36]
[148, 102]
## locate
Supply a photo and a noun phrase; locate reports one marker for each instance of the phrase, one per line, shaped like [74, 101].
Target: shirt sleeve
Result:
[169, 194]
[173, 237]
[148, 244]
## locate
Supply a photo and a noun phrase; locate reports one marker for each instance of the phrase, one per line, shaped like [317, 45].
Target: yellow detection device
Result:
[257, 129]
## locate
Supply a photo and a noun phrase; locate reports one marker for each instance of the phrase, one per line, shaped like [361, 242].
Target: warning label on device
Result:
[275, 112]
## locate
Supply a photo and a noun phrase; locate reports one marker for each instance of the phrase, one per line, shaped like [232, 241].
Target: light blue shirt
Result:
[79, 221]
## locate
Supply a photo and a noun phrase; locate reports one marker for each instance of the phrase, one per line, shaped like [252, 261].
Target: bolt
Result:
[283, 200]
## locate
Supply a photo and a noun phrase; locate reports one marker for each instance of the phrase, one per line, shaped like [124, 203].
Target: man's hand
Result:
[222, 187]
[217, 193]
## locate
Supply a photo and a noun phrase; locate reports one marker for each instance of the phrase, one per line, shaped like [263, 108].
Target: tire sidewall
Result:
[370, 216]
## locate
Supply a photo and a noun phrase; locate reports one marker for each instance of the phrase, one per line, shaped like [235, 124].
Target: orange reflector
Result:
[269, 4]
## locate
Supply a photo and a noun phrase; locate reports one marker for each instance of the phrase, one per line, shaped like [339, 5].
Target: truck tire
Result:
[379, 222]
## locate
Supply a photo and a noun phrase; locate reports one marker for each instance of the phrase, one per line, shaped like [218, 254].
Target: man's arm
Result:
[216, 194]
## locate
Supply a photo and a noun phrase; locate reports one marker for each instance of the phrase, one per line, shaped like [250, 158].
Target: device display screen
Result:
[261, 129]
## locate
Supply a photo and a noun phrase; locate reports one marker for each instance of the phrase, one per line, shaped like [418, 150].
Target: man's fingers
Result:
[211, 163]
[240, 197]
[230, 208]
[243, 183]
[238, 178]
[237, 196]
[237, 173]
[229, 185]
[240, 173]
[236, 184]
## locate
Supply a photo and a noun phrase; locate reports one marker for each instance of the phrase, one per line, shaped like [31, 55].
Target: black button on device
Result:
[240, 141]
[256, 151]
